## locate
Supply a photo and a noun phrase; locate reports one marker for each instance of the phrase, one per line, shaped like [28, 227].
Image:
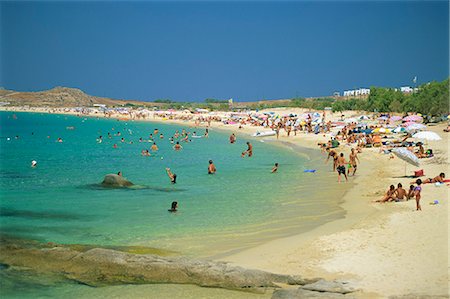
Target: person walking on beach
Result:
[341, 167]
[417, 191]
[353, 164]
[211, 167]
[275, 168]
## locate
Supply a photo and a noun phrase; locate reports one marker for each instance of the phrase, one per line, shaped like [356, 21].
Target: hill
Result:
[61, 97]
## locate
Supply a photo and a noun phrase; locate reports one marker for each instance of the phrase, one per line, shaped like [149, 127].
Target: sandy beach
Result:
[383, 249]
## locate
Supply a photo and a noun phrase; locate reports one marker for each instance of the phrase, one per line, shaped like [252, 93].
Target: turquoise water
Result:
[242, 205]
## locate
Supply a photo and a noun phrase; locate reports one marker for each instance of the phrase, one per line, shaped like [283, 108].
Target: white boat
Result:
[264, 134]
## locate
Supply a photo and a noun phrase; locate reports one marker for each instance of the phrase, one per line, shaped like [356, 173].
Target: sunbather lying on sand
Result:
[439, 179]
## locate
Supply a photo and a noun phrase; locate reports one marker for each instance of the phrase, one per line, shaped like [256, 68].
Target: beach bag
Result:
[418, 173]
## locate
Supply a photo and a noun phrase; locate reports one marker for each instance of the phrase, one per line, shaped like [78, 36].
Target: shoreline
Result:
[333, 250]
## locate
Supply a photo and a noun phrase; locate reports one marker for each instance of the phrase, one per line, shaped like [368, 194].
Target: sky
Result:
[190, 51]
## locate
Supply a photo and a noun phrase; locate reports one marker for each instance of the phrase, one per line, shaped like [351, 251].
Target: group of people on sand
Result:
[415, 189]
[339, 163]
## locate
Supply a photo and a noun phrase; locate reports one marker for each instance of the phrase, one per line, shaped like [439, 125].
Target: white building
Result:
[356, 92]
[408, 89]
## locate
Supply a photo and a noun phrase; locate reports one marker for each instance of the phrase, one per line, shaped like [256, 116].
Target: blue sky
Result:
[190, 51]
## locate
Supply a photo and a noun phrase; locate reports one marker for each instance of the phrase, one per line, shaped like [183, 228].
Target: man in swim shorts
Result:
[341, 167]
[352, 163]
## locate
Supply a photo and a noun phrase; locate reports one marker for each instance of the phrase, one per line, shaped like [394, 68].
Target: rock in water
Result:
[114, 180]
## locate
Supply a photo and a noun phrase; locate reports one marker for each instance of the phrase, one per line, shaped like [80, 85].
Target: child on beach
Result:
[417, 191]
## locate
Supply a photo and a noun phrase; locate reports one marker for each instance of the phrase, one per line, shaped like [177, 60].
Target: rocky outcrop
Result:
[98, 267]
[318, 289]
[115, 181]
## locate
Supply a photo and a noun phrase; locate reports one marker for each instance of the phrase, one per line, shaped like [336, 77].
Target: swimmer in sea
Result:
[249, 150]
[275, 168]
[232, 138]
[161, 136]
[211, 167]
[154, 147]
[59, 139]
[172, 176]
[206, 133]
[115, 145]
[155, 131]
[173, 207]
[119, 173]
[177, 146]
[33, 163]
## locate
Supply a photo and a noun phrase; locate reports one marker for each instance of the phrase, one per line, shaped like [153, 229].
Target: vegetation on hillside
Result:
[430, 99]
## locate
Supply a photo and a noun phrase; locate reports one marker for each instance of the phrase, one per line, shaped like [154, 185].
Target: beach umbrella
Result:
[415, 118]
[406, 156]
[427, 135]
[363, 117]
[395, 118]
[382, 130]
[415, 127]
[399, 130]
[382, 118]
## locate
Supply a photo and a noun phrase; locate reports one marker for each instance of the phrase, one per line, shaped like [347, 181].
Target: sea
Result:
[62, 200]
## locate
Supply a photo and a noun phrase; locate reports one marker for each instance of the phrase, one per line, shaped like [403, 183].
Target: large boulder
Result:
[115, 181]
[99, 267]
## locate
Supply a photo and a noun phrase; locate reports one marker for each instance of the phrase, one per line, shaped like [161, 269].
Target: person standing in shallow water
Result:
[353, 163]
[232, 138]
[249, 150]
[173, 207]
[341, 167]
[211, 167]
